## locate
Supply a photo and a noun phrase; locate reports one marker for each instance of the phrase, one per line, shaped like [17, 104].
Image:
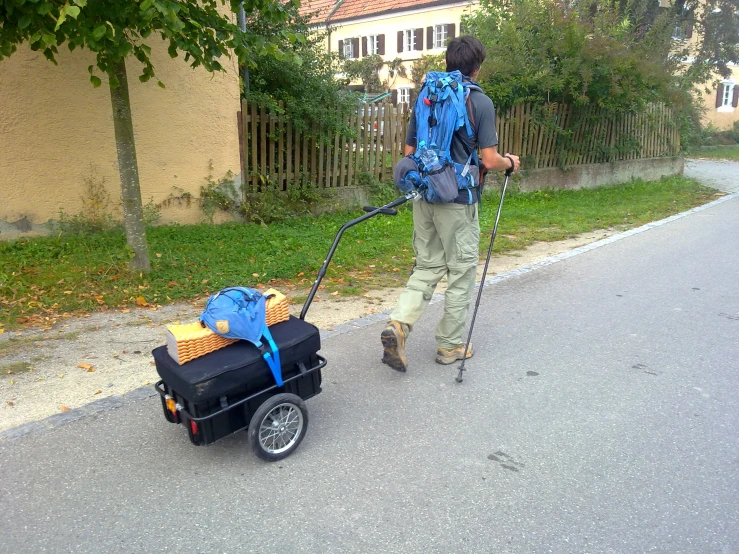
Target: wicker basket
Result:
[277, 307]
[190, 341]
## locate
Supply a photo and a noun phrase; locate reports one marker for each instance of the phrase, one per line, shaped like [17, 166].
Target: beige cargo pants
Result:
[446, 239]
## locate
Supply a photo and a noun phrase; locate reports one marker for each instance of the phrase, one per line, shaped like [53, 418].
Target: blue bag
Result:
[240, 313]
[440, 109]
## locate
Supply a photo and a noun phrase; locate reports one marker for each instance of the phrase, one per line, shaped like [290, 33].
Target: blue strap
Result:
[273, 358]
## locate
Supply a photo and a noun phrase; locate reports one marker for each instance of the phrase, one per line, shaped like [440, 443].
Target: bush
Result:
[554, 51]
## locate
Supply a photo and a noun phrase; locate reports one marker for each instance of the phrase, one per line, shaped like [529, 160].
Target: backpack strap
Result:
[271, 355]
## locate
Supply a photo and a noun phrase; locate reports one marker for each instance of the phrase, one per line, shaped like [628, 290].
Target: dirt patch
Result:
[48, 371]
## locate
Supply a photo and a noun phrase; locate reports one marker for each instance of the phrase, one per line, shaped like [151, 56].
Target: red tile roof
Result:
[319, 10]
[338, 10]
[353, 9]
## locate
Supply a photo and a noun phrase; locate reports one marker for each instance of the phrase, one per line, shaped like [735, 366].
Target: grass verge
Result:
[45, 278]
[717, 152]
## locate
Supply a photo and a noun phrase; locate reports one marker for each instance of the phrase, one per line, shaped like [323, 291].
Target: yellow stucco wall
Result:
[721, 118]
[56, 130]
[389, 25]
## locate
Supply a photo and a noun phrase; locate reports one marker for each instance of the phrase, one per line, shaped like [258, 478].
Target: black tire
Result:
[278, 426]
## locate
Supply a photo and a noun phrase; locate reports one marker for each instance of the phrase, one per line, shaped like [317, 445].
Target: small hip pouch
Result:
[444, 183]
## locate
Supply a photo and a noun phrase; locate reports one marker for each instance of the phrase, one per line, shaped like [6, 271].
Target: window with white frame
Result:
[725, 100]
[440, 36]
[409, 40]
[372, 45]
[348, 51]
[404, 95]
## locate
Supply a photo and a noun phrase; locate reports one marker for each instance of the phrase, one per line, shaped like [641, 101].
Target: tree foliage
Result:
[367, 70]
[545, 51]
[202, 30]
[714, 44]
[615, 54]
[306, 83]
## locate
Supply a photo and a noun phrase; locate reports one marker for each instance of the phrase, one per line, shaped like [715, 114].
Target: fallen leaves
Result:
[64, 408]
[141, 301]
[87, 367]
[98, 391]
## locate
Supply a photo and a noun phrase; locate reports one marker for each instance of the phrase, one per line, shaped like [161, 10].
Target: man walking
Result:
[446, 236]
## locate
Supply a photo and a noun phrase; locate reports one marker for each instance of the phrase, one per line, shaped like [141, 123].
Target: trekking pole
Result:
[459, 378]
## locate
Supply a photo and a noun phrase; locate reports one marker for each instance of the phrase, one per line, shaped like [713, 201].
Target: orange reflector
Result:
[171, 405]
[193, 427]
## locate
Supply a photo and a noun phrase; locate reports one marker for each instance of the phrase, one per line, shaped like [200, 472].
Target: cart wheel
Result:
[278, 426]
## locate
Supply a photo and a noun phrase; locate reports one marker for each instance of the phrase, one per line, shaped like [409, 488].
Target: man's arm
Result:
[495, 162]
[408, 150]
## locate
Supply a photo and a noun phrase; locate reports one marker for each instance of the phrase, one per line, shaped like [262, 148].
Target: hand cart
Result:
[233, 389]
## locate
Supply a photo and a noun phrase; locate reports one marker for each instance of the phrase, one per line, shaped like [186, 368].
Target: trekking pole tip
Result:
[459, 377]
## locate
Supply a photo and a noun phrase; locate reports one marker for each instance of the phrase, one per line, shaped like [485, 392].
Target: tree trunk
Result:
[133, 212]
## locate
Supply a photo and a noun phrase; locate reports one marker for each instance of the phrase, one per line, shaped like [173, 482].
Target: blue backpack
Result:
[440, 109]
[241, 313]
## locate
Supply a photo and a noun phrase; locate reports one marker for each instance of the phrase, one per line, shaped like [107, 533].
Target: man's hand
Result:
[512, 159]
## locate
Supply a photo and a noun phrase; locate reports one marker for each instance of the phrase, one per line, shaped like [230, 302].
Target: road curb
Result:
[92, 408]
[142, 393]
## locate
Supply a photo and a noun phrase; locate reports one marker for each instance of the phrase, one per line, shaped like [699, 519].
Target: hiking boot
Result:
[393, 341]
[446, 357]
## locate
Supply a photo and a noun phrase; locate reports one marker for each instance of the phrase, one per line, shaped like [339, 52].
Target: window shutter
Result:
[394, 97]
[381, 45]
[429, 37]
[450, 30]
[719, 95]
[364, 46]
[400, 41]
[341, 48]
[418, 34]
[355, 47]
[735, 98]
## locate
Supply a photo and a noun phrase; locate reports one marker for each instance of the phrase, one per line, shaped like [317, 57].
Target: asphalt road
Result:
[600, 414]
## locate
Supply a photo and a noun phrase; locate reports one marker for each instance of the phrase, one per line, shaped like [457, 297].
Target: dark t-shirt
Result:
[483, 129]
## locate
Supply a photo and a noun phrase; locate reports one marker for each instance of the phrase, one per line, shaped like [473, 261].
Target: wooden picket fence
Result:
[555, 135]
[558, 135]
[275, 152]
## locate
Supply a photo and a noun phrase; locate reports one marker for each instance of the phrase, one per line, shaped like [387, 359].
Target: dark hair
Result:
[466, 54]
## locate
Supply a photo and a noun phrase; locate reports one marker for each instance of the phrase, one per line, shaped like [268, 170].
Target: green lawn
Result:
[42, 278]
[717, 152]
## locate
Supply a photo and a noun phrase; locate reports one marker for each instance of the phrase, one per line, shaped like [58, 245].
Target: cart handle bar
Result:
[386, 209]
